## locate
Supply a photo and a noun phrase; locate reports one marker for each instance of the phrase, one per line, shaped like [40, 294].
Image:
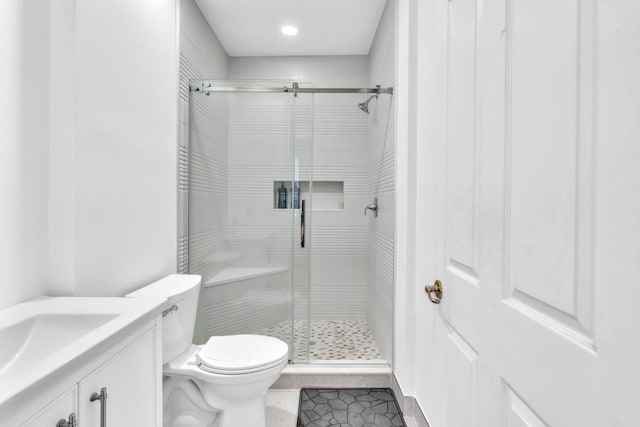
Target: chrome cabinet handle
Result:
[102, 397]
[436, 289]
[71, 422]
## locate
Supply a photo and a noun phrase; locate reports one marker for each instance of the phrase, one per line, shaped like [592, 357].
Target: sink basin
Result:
[47, 336]
[26, 342]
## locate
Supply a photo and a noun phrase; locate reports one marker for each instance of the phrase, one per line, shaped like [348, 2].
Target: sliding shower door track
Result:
[207, 86]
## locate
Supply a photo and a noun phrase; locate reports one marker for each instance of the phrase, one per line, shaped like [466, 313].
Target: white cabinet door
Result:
[59, 409]
[539, 217]
[130, 381]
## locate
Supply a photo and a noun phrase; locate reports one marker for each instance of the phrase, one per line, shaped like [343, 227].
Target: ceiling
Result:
[326, 27]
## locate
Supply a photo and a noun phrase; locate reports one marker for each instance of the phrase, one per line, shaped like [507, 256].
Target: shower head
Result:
[364, 106]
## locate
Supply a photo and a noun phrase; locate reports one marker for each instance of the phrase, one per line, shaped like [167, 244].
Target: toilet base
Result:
[239, 405]
[184, 405]
[250, 414]
[235, 400]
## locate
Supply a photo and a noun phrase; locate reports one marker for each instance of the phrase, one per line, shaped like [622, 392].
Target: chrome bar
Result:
[381, 90]
[206, 86]
[302, 230]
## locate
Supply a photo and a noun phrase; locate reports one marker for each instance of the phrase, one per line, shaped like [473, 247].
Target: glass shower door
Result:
[302, 244]
[246, 193]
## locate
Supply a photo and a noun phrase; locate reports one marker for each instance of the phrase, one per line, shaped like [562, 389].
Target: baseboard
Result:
[409, 404]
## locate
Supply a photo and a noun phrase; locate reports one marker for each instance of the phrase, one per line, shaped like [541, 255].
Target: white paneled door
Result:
[537, 216]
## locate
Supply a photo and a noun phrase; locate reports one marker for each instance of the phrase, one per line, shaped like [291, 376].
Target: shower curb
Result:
[334, 377]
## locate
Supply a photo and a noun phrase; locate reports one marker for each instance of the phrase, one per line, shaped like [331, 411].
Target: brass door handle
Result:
[436, 289]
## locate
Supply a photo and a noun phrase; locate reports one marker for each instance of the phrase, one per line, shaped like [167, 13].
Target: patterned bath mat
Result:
[349, 407]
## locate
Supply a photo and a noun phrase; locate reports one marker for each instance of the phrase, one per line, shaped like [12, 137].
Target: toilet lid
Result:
[240, 353]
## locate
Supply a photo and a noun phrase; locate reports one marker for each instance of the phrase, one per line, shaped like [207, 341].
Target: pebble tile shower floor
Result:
[364, 407]
[329, 339]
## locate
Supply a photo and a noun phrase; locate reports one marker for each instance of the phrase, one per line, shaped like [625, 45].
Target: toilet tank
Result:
[179, 314]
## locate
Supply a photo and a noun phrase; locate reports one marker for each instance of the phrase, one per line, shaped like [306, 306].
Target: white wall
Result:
[24, 150]
[382, 152]
[116, 229]
[88, 136]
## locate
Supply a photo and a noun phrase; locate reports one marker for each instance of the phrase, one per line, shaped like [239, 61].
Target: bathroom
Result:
[500, 150]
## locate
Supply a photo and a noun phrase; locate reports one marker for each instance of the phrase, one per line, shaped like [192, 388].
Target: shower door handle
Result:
[302, 224]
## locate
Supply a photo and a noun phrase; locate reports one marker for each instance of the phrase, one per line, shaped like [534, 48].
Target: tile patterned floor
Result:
[372, 407]
[329, 339]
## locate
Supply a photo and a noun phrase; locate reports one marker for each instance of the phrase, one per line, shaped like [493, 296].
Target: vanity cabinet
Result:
[128, 370]
[128, 380]
[60, 408]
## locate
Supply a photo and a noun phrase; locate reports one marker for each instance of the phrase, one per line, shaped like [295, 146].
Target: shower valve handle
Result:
[372, 207]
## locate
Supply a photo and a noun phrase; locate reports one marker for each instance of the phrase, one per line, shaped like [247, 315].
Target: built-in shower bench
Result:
[236, 274]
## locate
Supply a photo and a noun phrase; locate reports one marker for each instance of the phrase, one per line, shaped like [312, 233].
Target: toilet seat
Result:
[241, 354]
[243, 371]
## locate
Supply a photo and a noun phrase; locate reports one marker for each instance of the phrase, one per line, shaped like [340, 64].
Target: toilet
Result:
[221, 383]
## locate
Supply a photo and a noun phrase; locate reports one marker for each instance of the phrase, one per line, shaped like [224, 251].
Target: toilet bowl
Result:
[221, 383]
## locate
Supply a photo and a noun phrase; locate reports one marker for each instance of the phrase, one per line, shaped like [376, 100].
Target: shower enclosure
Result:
[250, 198]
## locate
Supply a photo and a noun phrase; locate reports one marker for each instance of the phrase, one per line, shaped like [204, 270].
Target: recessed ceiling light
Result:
[288, 30]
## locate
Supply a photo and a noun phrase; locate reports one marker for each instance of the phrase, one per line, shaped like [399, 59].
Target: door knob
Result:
[436, 289]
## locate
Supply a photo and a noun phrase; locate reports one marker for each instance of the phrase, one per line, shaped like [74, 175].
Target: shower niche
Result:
[327, 195]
